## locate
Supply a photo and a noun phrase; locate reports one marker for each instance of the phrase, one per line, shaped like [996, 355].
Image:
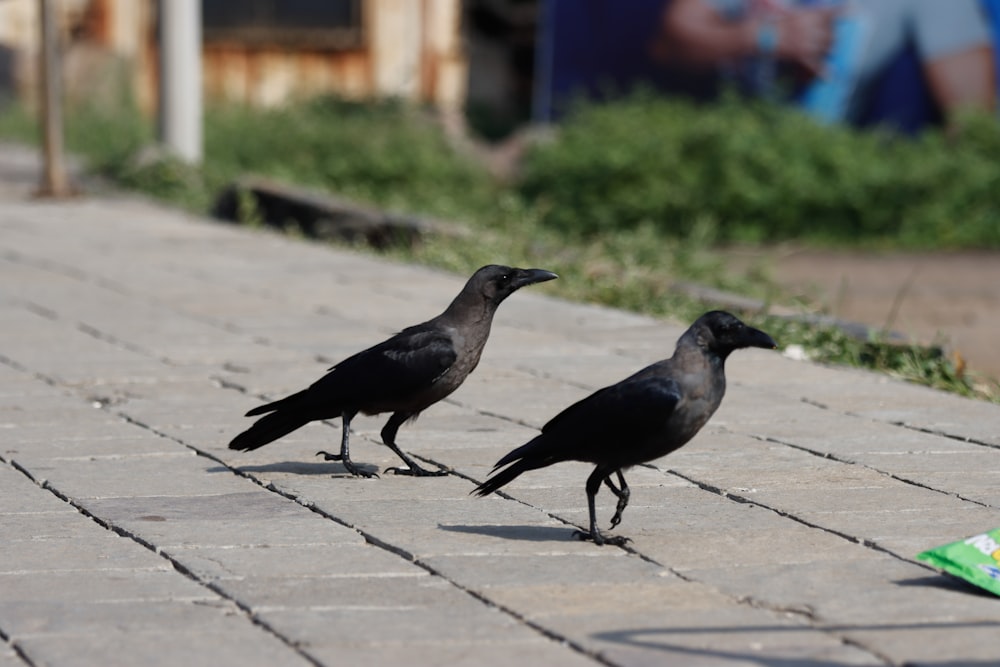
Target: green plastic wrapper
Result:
[976, 559]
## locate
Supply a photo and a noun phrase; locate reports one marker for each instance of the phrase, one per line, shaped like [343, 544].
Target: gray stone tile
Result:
[245, 644]
[452, 652]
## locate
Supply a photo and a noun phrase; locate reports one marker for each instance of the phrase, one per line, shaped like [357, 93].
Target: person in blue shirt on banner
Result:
[861, 61]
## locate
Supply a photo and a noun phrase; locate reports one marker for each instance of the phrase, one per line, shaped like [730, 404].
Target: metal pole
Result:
[54, 182]
[180, 78]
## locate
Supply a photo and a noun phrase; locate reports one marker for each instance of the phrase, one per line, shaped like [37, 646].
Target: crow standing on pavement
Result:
[404, 374]
[643, 417]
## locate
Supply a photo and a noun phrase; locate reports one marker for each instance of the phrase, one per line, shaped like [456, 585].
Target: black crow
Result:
[404, 374]
[641, 418]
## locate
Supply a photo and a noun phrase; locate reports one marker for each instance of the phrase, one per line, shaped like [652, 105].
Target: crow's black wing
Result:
[408, 362]
[591, 429]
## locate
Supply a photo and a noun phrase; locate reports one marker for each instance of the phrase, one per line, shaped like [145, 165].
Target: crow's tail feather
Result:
[503, 477]
[267, 429]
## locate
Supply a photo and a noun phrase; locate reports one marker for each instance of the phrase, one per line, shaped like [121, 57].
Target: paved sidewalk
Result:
[134, 337]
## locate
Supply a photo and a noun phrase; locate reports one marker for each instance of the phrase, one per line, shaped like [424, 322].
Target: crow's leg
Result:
[389, 438]
[599, 475]
[345, 449]
[623, 495]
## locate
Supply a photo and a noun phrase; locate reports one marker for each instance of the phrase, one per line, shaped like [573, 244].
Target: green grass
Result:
[624, 202]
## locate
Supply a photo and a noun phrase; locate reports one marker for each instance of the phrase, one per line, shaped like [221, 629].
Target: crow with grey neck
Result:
[403, 375]
[641, 418]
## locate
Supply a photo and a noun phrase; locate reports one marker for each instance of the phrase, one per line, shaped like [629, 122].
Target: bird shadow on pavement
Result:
[528, 533]
[300, 468]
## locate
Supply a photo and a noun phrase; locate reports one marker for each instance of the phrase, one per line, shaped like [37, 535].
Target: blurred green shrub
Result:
[764, 173]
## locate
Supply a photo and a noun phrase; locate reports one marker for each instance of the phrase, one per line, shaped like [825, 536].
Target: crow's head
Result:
[721, 333]
[495, 283]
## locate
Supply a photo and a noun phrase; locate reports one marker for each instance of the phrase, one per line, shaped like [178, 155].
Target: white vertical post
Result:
[180, 78]
[54, 180]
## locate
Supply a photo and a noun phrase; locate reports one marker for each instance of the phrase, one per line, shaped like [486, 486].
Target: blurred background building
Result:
[261, 52]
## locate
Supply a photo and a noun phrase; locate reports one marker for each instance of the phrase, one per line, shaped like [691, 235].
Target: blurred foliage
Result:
[387, 153]
[625, 200]
[760, 172]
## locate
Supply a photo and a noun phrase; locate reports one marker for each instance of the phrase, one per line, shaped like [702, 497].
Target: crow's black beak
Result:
[757, 338]
[531, 276]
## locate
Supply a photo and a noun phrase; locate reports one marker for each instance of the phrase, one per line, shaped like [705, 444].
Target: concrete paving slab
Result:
[753, 645]
[698, 627]
[10, 658]
[91, 586]
[879, 589]
[568, 569]
[53, 617]
[453, 653]
[932, 643]
[426, 630]
[180, 474]
[90, 550]
[20, 495]
[263, 530]
[293, 560]
[189, 647]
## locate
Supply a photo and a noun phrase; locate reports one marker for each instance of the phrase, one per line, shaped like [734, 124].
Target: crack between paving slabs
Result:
[944, 434]
[16, 648]
[902, 424]
[864, 542]
[91, 331]
[899, 478]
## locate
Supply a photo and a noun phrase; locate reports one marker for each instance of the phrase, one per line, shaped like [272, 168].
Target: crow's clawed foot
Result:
[416, 471]
[600, 539]
[622, 504]
[349, 464]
